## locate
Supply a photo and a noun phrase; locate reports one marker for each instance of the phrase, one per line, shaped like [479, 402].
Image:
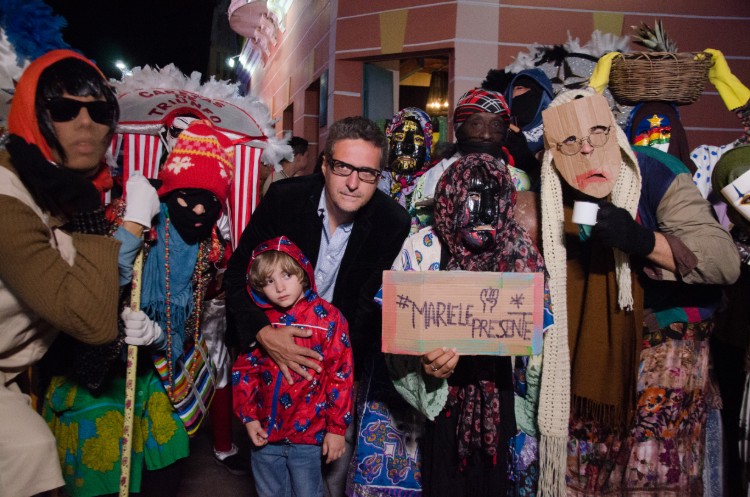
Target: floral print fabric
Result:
[663, 453]
[387, 458]
[88, 430]
[513, 250]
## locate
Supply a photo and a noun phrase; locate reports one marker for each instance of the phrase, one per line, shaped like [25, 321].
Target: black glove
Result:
[616, 228]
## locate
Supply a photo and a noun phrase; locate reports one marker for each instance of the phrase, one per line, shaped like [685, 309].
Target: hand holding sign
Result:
[471, 312]
[440, 363]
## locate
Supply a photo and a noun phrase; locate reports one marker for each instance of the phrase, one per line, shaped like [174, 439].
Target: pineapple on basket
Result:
[656, 39]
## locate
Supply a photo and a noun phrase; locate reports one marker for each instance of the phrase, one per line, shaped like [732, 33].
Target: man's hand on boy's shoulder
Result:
[333, 447]
[279, 344]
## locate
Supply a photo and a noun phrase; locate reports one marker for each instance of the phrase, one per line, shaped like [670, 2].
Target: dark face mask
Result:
[191, 225]
[525, 106]
[482, 133]
[477, 222]
[407, 148]
[467, 147]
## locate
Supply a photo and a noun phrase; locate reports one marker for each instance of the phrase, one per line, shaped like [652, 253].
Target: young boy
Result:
[288, 423]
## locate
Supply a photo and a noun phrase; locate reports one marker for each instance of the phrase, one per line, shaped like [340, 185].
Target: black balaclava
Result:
[193, 227]
[524, 107]
[481, 147]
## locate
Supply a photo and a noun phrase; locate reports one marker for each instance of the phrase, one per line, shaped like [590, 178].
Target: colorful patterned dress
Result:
[88, 429]
[661, 453]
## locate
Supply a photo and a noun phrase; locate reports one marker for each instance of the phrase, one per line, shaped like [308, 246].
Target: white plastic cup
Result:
[585, 212]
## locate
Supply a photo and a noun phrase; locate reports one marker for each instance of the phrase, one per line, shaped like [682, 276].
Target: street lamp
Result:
[123, 68]
[231, 61]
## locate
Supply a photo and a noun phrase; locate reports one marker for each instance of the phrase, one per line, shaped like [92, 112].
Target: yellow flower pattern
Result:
[102, 452]
[163, 424]
[88, 430]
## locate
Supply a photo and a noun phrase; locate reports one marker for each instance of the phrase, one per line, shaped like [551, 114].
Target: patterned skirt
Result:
[88, 431]
[663, 452]
[387, 459]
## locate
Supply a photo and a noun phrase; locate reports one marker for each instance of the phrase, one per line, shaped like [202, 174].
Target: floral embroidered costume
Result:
[399, 451]
[409, 159]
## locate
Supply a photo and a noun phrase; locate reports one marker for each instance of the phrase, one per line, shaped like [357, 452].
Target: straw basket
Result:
[649, 76]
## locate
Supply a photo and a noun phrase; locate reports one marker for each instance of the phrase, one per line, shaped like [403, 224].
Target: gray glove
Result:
[142, 202]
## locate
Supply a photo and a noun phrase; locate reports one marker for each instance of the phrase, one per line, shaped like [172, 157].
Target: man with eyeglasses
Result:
[349, 229]
[626, 362]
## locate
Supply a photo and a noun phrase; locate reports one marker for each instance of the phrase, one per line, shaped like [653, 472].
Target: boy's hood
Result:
[285, 245]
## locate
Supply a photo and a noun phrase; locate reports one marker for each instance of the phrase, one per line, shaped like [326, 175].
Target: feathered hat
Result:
[28, 29]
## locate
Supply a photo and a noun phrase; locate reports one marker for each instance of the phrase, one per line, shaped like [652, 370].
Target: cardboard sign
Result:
[476, 313]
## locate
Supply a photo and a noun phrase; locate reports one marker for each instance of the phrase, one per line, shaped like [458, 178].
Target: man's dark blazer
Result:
[290, 208]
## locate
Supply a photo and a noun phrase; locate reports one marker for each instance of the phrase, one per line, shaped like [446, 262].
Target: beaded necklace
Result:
[193, 322]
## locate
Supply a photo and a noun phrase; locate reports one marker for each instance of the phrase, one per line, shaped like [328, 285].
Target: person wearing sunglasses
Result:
[634, 296]
[351, 232]
[58, 273]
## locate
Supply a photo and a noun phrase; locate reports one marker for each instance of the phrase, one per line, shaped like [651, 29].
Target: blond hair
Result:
[264, 265]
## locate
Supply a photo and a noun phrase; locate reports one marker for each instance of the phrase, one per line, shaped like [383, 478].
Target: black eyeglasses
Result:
[597, 138]
[366, 174]
[63, 109]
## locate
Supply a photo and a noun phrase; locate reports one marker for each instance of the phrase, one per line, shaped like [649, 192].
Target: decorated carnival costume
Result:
[474, 101]
[641, 435]
[409, 148]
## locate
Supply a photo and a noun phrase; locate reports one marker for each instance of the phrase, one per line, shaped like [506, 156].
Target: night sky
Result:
[139, 32]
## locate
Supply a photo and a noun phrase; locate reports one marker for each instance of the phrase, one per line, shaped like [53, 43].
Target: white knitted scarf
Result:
[554, 402]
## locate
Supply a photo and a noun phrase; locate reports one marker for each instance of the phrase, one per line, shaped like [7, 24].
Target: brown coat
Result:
[49, 281]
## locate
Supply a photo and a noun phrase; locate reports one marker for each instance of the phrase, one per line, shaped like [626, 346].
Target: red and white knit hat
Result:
[202, 158]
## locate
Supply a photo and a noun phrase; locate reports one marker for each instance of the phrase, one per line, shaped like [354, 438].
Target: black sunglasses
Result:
[63, 109]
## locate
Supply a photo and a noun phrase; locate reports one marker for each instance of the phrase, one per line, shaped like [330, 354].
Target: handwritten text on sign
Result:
[477, 313]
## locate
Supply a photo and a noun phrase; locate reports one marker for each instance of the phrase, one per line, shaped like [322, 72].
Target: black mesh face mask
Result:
[193, 212]
[482, 133]
[481, 147]
[525, 106]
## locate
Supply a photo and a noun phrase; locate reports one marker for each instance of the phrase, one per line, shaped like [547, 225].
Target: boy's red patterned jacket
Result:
[304, 412]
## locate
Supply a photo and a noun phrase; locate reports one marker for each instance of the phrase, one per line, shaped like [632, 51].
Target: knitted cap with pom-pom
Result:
[203, 157]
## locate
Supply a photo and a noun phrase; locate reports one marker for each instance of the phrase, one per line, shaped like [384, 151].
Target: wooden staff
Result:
[127, 427]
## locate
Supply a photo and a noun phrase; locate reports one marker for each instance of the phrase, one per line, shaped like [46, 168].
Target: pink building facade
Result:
[315, 61]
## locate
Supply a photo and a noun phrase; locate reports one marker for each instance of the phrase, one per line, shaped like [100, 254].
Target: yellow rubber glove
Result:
[731, 89]
[600, 77]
